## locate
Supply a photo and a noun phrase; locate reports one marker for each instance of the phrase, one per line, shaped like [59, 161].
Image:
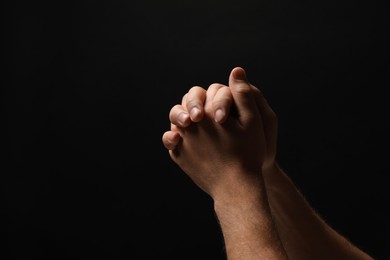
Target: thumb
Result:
[243, 96]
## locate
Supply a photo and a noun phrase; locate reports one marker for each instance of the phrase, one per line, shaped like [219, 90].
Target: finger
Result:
[211, 92]
[262, 104]
[194, 103]
[269, 118]
[179, 116]
[242, 95]
[171, 139]
[221, 103]
[184, 102]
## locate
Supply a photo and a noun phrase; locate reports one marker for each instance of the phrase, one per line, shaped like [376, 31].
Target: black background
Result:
[88, 86]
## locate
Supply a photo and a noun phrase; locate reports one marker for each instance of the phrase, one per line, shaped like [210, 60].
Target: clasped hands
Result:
[223, 135]
[224, 138]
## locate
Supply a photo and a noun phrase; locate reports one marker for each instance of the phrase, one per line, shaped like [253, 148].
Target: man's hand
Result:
[223, 152]
[210, 152]
[302, 231]
[220, 99]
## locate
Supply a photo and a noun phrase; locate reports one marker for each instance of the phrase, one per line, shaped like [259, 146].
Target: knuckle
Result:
[243, 89]
[193, 103]
[215, 86]
[195, 88]
[184, 98]
[195, 97]
[174, 112]
[196, 91]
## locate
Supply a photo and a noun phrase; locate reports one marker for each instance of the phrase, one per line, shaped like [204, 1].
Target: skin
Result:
[225, 138]
[225, 160]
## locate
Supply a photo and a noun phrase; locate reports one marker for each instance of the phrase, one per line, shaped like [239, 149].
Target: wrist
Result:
[247, 224]
[239, 191]
[242, 200]
[273, 174]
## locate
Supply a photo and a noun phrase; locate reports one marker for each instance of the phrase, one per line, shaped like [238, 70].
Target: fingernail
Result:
[195, 112]
[182, 118]
[240, 74]
[219, 115]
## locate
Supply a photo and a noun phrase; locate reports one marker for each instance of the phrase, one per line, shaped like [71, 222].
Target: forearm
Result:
[247, 225]
[303, 232]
